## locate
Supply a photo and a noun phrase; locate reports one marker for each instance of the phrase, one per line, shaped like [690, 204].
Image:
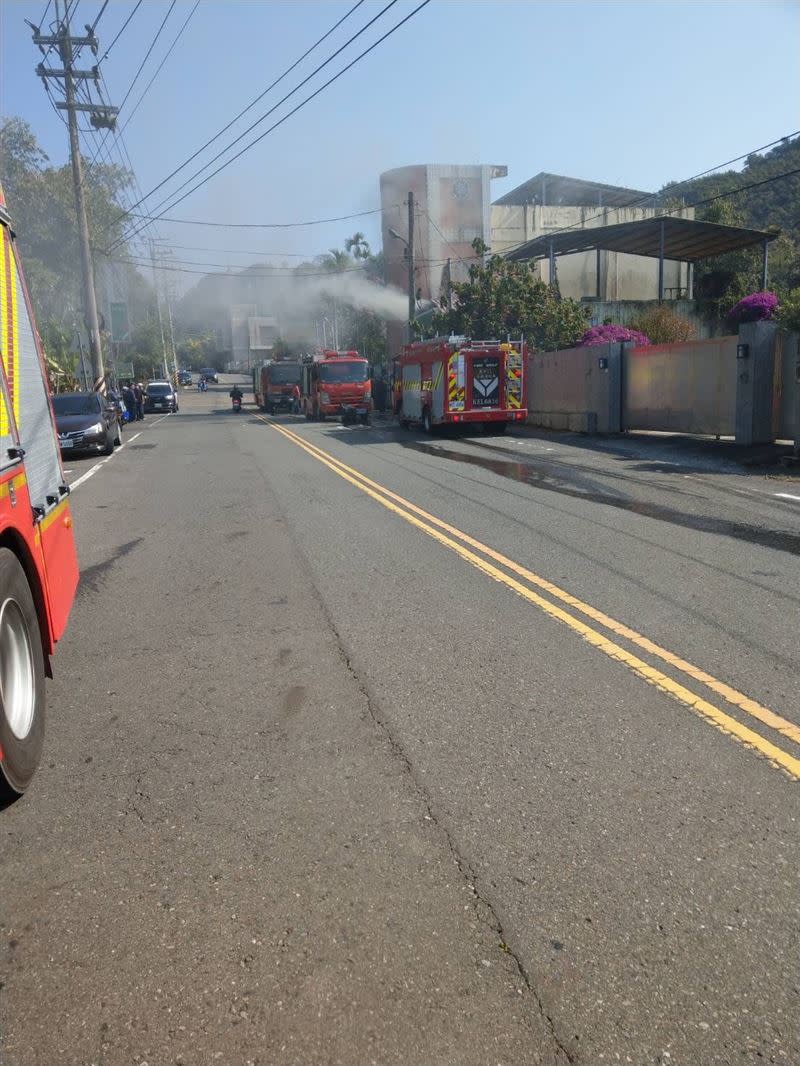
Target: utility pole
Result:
[100, 115]
[412, 293]
[172, 342]
[158, 305]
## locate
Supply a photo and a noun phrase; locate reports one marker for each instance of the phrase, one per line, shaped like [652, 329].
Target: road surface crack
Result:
[482, 905]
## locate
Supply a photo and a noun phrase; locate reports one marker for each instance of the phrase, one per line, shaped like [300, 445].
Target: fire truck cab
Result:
[274, 383]
[457, 380]
[336, 383]
[38, 563]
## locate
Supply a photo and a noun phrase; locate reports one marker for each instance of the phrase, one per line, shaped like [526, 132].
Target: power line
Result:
[253, 102]
[243, 251]
[243, 273]
[746, 188]
[259, 225]
[266, 114]
[160, 65]
[121, 31]
[148, 53]
[100, 15]
[302, 104]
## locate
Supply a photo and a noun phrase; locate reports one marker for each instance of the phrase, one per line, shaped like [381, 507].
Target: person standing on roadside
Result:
[129, 399]
[138, 393]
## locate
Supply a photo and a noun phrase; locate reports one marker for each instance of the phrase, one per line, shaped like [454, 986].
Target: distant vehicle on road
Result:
[184, 377]
[209, 374]
[336, 383]
[274, 382]
[160, 396]
[86, 423]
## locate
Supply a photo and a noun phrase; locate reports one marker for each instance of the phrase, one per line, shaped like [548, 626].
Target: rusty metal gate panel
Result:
[681, 388]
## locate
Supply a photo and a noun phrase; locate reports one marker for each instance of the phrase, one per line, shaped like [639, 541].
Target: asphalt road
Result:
[365, 747]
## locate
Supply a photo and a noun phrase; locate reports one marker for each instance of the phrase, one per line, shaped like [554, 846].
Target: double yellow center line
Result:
[529, 586]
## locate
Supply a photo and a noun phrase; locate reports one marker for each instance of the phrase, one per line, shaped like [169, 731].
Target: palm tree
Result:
[358, 246]
[336, 260]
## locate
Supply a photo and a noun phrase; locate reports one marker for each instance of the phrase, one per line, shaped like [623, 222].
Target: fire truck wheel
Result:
[427, 422]
[21, 679]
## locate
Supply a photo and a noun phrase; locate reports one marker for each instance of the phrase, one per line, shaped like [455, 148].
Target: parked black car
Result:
[160, 396]
[184, 377]
[86, 422]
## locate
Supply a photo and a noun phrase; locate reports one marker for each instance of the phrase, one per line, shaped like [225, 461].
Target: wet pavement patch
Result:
[529, 474]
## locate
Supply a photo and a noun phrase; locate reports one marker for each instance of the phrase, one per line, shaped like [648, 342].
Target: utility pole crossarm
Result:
[103, 109]
[50, 72]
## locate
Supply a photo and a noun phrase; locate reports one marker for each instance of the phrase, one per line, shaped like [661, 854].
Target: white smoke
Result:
[355, 291]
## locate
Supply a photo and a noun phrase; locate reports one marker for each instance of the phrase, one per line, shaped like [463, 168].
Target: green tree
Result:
[357, 246]
[41, 203]
[503, 297]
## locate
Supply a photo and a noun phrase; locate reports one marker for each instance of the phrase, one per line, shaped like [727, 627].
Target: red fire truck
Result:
[454, 380]
[274, 382]
[336, 383]
[38, 564]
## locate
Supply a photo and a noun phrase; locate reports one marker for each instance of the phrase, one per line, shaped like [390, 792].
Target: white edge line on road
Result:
[786, 496]
[93, 470]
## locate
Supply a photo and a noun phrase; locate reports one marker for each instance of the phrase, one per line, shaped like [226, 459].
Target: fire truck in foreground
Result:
[455, 380]
[274, 382]
[38, 564]
[336, 383]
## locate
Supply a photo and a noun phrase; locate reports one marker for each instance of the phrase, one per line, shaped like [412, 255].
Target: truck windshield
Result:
[80, 404]
[343, 372]
[285, 375]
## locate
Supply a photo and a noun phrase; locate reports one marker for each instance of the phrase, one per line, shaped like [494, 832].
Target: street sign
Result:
[125, 371]
[120, 329]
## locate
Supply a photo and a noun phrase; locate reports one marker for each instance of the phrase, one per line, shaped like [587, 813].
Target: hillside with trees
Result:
[767, 202]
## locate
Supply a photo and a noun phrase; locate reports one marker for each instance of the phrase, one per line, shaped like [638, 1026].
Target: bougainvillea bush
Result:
[610, 334]
[757, 307]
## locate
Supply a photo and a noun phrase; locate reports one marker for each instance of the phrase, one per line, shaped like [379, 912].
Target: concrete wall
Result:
[745, 386]
[624, 312]
[576, 389]
[786, 407]
[622, 277]
[681, 388]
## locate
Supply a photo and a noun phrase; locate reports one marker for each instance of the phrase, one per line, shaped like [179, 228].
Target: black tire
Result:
[109, 448]
[427, 421]
[118, 438]
[19, 628]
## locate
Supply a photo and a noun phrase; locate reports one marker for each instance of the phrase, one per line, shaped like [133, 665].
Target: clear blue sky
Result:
[630, 93]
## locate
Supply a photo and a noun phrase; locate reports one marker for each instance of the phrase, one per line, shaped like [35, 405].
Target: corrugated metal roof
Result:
[685, 239]
[557, 189]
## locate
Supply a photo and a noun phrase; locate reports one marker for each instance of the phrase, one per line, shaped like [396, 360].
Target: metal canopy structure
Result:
[557, 190]
[685, 240]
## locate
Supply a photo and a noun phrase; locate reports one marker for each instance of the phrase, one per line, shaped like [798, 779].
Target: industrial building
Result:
[550, 204]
